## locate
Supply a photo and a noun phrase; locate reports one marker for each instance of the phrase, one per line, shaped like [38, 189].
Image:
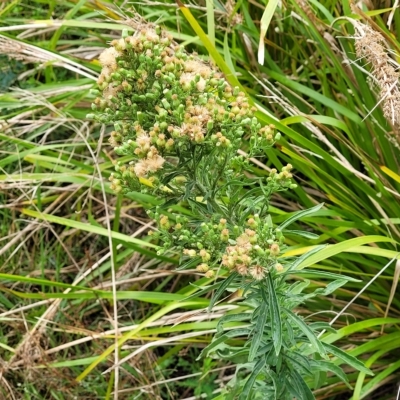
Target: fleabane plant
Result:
[178, 126]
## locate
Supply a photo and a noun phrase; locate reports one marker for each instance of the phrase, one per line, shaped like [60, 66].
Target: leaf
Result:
[304, 392]
[203, 290]
[231, 318]
[299, 260]
[347, 358]
[252, 378]
[347, 245]
[307, 331]
[87, 227]
[325, 275]
[210, 21]
[275, 316]
[264, 24]
[258, 331]
[223, 286]
[330, 367]
[320, 326]
[228, 335]
[389, 172]
[333, 286]
[379, 379]
[305, 234]
[298, 286]
[300, 214]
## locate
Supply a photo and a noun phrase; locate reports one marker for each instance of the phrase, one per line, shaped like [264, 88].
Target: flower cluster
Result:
[179, 124]
[251, 251]
[163, 102]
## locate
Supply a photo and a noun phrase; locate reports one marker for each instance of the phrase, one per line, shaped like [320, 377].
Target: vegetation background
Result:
[72, 252]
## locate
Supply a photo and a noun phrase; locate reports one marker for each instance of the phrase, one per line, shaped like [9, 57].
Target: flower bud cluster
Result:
[163, 103]
[262, 138]
[251, 252]
[283, 179]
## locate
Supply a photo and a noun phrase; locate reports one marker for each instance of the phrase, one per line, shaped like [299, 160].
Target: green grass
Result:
[75, 259]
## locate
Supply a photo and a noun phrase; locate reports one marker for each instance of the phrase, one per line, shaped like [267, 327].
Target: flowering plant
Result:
[181, 125]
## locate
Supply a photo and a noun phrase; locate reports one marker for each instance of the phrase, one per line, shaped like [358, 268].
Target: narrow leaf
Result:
[228, 335]
[301, 214]
[325, 275]
[86, 227]
[307, 331]
[330, 367]
[304, 391]
[333, 286]
[347, 358]
[223, 286]
[265, 21]
[259, 331]
[245, 395]
[305, 234]
[275, 316]
[305, 256]
[229, 75]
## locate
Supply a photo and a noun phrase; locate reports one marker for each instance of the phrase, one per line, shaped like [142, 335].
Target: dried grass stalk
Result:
[372, 46]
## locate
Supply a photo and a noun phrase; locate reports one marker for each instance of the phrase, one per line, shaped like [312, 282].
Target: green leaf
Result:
[360, 326]
[221, 339]
[347, 358]
[229, 75]
[324, 275]
[275, 316]
[330, 367]
[305, 234]
[298, 286]
[223, 286]
[302, 258]
[245, 395]
[307, 331]
[230, 318]
[333, 286]
[264, 24]
[258, 331]
[304, 392]
[332, 250]
[87, 227]
[300, 214]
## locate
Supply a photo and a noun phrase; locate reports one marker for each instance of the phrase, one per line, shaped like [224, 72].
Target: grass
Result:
[79, 277]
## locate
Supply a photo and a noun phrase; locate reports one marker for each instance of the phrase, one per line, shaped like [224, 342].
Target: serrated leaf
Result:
[275, 316]
[347, 358]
